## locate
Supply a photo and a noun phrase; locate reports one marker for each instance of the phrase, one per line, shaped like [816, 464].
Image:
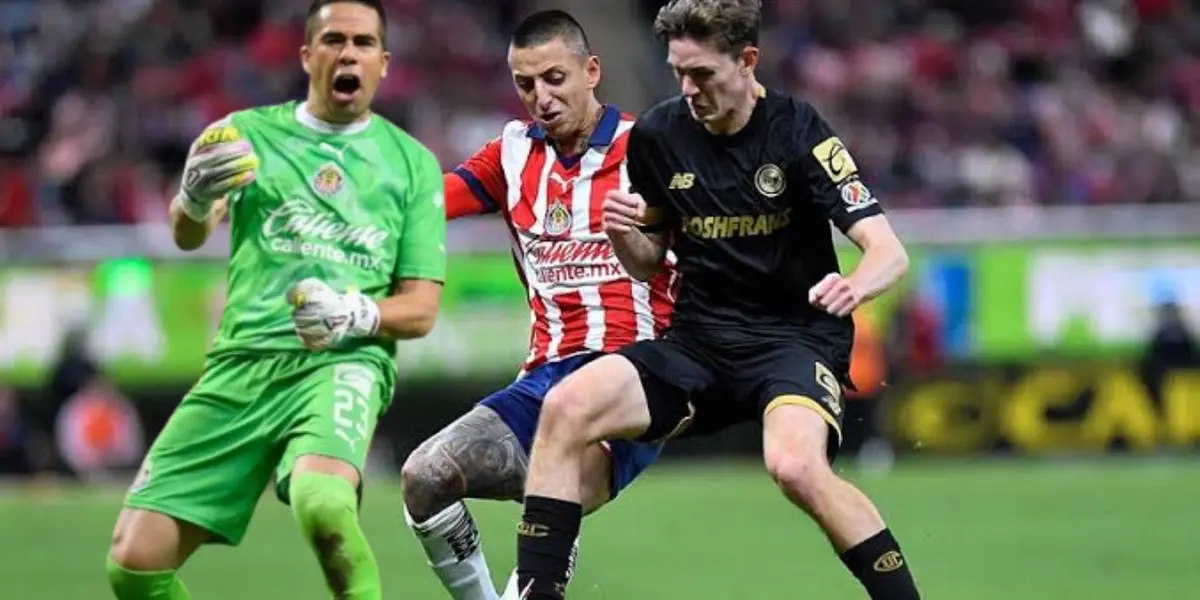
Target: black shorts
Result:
[698, 385]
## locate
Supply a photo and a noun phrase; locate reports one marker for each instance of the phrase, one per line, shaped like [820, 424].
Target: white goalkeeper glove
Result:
[219, 162]
[322, 317]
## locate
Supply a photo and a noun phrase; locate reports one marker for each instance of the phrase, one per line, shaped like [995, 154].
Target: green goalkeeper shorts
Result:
[249, 418]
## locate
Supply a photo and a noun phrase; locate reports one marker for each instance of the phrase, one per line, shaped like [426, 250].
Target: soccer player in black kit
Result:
[741, 183]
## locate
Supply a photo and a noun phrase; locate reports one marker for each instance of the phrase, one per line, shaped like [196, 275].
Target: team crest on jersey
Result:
[770, 180]
[329, 180]
[558, 219]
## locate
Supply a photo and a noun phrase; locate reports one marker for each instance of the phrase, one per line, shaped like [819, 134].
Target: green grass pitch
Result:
[1114, 529]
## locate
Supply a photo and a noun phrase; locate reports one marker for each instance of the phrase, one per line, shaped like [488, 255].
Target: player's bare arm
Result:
[640, 253]
[884, 262]
[189, 234]
[410, 312]
[884, 259]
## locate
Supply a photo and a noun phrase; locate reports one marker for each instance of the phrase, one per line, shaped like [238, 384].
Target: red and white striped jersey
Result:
[580, 297]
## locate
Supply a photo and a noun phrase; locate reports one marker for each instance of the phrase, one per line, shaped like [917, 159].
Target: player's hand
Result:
[623, 212]
[835, 295]
[219, 162]
[322, 317]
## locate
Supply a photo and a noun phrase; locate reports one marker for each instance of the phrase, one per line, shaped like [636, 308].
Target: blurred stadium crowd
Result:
[99, 100]
[968, 102]
[944, 102]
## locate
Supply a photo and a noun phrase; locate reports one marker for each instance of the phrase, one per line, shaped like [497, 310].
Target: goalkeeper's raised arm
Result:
[219, 164]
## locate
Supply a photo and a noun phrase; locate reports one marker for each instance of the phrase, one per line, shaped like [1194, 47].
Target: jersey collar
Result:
[308, 120]
[602, 136]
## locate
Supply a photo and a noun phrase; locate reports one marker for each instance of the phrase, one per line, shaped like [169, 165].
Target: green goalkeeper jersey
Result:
[357, 206]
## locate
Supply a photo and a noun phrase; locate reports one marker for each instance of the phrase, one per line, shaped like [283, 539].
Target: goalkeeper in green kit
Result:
[338, 249]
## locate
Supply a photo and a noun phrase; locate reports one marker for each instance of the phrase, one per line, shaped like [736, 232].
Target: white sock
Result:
[510, 589]
[451, 542]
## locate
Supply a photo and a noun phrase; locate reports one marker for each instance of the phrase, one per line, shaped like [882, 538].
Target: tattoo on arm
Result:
[477, 456]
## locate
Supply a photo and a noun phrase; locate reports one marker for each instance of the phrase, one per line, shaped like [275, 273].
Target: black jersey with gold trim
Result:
[748, 214]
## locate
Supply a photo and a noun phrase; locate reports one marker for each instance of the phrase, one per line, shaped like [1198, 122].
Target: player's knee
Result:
[322, 503]
[804, 478]
[600, 401]
[133, 557]
[134, 550]
[566, 414]
[430, 483]
[123, 553]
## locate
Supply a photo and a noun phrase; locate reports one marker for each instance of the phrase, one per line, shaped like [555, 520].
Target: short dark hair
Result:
[731, 25]
[548, 25]
[310, 26]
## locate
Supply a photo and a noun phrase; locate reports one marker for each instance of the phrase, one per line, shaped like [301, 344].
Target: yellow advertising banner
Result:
[1051, 410]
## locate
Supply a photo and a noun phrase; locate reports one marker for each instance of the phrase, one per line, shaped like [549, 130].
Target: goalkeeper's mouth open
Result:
[346, 87]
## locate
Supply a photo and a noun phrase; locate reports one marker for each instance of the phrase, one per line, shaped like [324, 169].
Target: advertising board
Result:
[151, 322]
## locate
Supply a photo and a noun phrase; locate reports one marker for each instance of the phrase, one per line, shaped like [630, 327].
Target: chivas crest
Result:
[329, 180]
[558, 219]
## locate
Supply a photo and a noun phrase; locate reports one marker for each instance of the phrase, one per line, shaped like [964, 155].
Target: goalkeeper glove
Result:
[322, 317]
[219, 162]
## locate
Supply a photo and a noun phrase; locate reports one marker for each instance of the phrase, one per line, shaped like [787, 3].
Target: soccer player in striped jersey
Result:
[547, 177]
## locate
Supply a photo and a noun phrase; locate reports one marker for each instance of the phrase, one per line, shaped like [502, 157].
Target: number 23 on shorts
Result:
[353, 386]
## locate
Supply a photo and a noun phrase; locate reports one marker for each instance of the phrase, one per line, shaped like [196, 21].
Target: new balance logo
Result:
[683, 181]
